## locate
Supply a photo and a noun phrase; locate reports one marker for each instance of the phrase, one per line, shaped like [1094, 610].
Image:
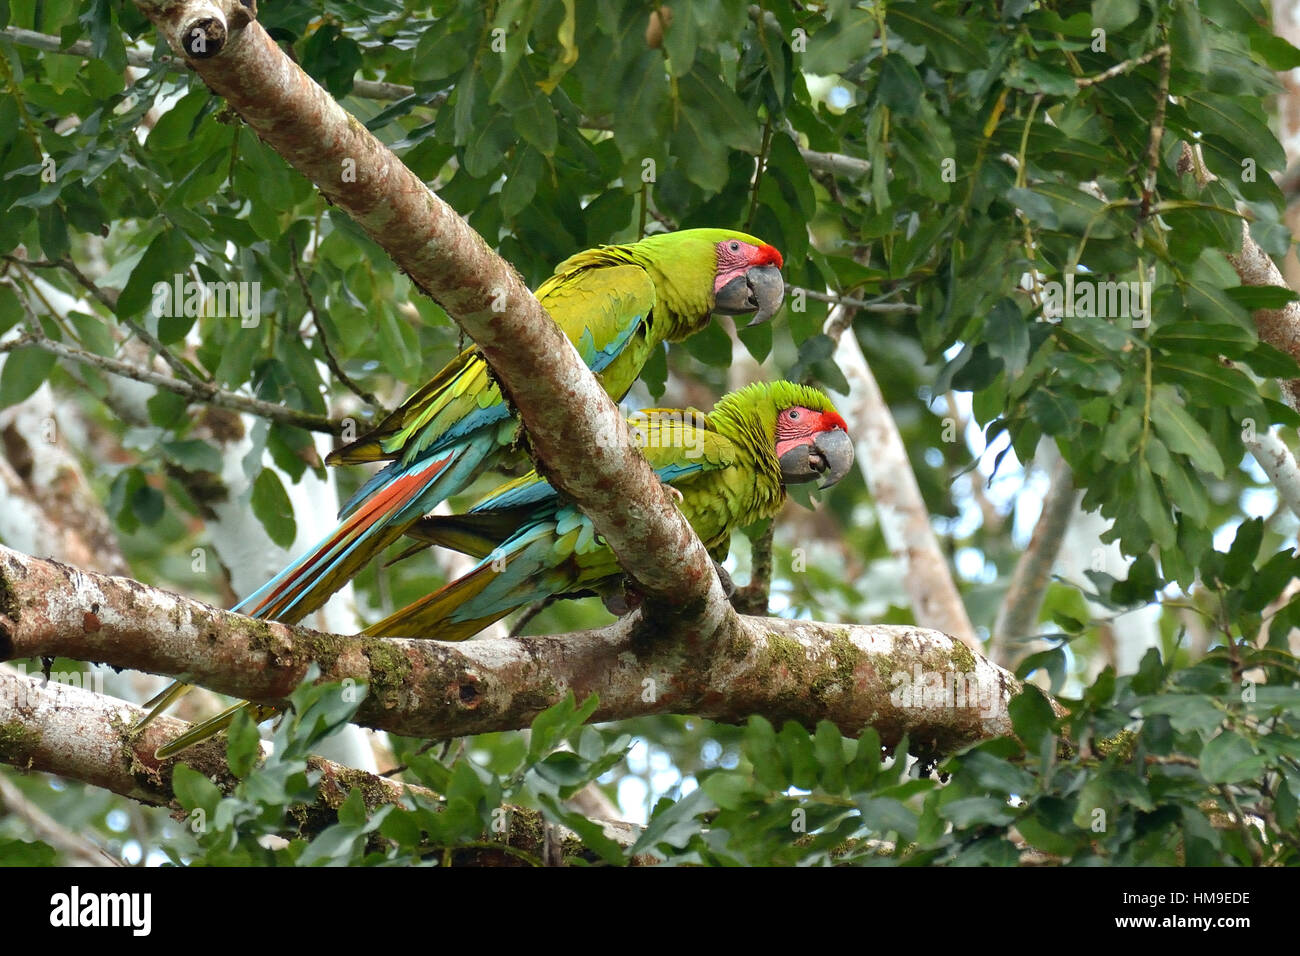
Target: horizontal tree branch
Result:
[900, 680]
[864, 305]
[77, 734]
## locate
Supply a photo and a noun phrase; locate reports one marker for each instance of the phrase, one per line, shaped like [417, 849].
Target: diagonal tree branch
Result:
[1018, 613]
[577, 433]
[904, 519]
[899, 680]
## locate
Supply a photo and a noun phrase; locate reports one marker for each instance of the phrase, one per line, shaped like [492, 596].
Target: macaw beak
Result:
[829, 456]
[760, 290]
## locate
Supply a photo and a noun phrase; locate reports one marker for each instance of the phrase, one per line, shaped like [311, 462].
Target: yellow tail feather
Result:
[213, 726]
[429, 616]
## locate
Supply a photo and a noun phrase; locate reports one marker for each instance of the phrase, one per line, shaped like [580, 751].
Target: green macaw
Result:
[729, 467]
[617, 304]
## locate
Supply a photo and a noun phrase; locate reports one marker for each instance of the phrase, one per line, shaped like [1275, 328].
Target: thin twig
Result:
[200, 392]
[1157, 133]
[534, 609]
[1118, 68]
[109, 301]
[866, 305]
[330, 359]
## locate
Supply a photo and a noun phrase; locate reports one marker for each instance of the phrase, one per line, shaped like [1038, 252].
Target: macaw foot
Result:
[625, 598]
[674, 493]
[621, 599]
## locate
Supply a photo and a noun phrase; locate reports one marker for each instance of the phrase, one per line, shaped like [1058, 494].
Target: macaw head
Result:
[747, 277]
[812, 442]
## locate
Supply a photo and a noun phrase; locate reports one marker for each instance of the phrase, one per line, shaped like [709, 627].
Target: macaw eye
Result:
[793, 414]
[735, 246]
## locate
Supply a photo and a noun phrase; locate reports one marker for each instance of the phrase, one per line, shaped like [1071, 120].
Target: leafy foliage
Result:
[1006, 176]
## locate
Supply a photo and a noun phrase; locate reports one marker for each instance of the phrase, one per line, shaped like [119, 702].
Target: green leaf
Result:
[711, 345]
[153, 280]
[757, 339]
[1230, 758]
[992, 773]
[590, 831]
[1206, 380]
[272, 507]
[1187, 40]
[1275, 51]
[865, 765]
[195, 791]
[1114, 15]
[675, 825]
[193, 454]
[557, 722]
[839, 43]
[243, 744]
[977, 811]
[1057, 206]
[23, 373]
[1252, 297]
[27, 853]
[948, 41]
[884, 815]
[1182, 433]
[899, 86]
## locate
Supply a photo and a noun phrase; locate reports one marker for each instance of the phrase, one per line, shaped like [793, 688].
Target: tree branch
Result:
[200, 392]
[851, 675]
[109, 301]
[1280, 328]
[1279, 464]
[1029, 580]
[78, 734]
[76, 849]
[904, 519]
[579, 436]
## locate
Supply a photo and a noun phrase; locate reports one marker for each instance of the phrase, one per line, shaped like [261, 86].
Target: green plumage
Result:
[724, 464]
[617, 304]
[626, 298]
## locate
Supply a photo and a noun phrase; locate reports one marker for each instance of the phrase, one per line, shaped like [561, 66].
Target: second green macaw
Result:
[730, 469]
[617, 304]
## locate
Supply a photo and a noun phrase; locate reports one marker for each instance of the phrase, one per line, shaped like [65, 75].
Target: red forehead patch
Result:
[767, 255]
[833, 420]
